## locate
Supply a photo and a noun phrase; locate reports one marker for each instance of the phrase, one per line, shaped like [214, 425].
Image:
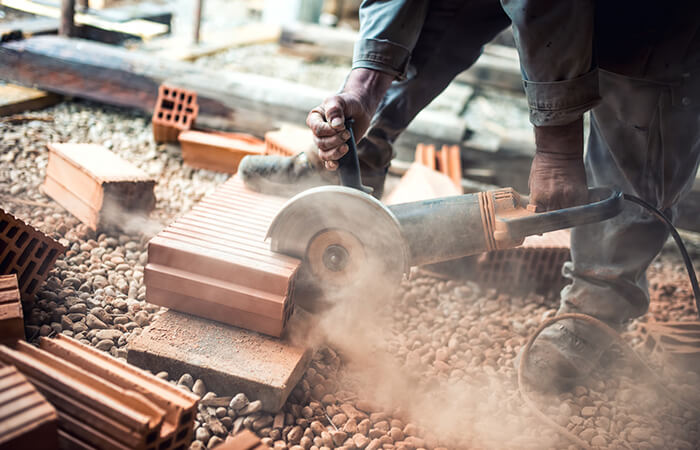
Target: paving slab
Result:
[228, 359]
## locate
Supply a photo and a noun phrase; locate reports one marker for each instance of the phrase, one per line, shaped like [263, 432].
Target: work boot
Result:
[289, 175]
[564, 354]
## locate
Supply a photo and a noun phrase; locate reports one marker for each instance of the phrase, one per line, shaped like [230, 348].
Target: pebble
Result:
[200, 389]
[238, 402]
[186, 380]
[93, 322]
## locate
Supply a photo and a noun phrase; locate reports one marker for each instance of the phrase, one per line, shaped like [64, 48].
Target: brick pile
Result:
[214, 262]
[11, 316]
[27, 253]
[220, 152]
[175, 111]
[97, 186]
[27, 420]
[103, 402]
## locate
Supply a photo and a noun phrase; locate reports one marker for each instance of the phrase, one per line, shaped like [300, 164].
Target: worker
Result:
[635, 65]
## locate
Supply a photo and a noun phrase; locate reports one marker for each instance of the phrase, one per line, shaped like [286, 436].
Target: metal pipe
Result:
[67, 24]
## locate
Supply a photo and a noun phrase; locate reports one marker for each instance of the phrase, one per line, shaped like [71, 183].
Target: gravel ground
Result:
[432, 368]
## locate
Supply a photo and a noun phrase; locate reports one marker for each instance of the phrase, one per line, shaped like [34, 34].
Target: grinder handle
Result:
[604, 203]
[349, 165]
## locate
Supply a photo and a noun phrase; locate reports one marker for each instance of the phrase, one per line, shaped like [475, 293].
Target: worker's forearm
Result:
[369, 86]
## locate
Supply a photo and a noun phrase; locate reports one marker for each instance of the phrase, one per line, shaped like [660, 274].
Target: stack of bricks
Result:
[674, 342]
[220, 152]
[289, 140]
[214, 262]
[447, 160]
[97, 186]
[176, 110]
[27, 420]
[27, 253]
[103, 402]
[11, 317]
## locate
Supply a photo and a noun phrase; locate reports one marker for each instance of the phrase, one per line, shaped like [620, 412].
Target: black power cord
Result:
[676, 237]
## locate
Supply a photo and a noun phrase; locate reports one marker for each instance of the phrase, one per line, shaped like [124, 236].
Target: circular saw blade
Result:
[351, 244]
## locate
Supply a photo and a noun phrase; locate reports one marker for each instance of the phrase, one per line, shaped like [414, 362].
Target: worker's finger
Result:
[335, 111]
[331, 142]
[316, 121]
[331, 165]
[333, 154]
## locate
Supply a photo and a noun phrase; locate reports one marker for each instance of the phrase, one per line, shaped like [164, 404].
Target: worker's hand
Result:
[359, 99]
[557, 175]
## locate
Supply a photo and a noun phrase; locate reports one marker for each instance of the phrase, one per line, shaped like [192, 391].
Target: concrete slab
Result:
[228, 359]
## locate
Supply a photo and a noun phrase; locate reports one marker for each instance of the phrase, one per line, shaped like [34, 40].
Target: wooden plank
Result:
[15, 99]
[227, 100]
[144, 29]
[24, 28]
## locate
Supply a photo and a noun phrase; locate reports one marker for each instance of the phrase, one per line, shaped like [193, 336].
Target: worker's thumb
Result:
[335, 111]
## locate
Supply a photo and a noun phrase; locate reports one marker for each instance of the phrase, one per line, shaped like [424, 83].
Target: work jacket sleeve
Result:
[389, 30]
[555, 44]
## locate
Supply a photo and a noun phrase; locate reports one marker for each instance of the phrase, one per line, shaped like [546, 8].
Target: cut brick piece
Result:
[26, 252]
[226, 358]
[217, 151]
[27, 420]
[214, 262]
[245, 440]
[289, 140]
[421, 183]
[11, 317]
[102, 402]
[97, 186]
[175, 111]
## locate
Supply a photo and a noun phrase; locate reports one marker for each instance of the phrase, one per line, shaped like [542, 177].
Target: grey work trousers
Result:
[641, 142]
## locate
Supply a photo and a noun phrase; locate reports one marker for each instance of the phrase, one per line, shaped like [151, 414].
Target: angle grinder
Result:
[353, 246]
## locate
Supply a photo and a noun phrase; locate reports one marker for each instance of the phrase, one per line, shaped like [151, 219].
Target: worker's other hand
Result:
[557, 175]
[358, 100]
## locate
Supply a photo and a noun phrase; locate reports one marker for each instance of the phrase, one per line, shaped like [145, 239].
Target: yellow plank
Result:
[16, 99]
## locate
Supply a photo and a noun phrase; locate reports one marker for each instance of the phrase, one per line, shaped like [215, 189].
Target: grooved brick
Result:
[97, 186]
[27, 420]
[11, 316]
[220, 152]
[175, 111]
[103, 402]
[26, 252]
[214, 262]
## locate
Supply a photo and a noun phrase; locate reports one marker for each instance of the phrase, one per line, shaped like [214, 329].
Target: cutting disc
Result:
[351, 244]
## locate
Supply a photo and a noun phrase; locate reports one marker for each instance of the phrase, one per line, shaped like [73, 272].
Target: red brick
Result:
[447, 160]
[26, 252]
[245, 440]
[216, 151]
[176, 110]
[11, 317]
[102, 402]
[27, 420]
[97, 186]
[214, 262]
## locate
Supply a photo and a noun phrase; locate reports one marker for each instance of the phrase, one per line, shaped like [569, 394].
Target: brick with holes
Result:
[26, 252]
[175, 111]
[97, 186]
[103, 402]
[27, 420]
[11, 316]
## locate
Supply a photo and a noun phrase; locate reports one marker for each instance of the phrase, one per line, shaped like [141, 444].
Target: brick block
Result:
[27, 420]
[220, 152]
[214, 262]
[97, 186]
[27, 253]
[447, 160]
[227, 359]
[289, 140]
[176, 110]
[421, 183]
[101, 402]
[673, 342]
[11, 316]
